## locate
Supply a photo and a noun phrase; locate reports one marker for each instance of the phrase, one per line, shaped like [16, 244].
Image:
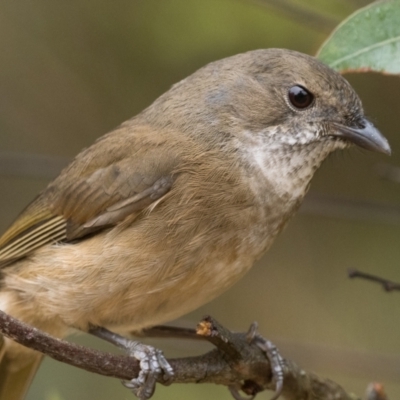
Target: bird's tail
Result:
[18, 366]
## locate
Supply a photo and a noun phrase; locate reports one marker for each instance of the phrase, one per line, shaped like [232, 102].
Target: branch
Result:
[238, 362]
[375, 391]
[389, 286]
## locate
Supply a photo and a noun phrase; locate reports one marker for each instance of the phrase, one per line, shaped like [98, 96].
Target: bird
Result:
[174, 206]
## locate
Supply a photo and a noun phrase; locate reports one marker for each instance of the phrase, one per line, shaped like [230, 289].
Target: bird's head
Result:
[290, 96]
[293, 97]
[283, 109]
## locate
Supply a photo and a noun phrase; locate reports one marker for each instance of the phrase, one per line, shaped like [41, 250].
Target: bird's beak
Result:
[367, 137]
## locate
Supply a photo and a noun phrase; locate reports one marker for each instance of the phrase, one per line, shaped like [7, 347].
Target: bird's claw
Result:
[276, 361]
[153, 366]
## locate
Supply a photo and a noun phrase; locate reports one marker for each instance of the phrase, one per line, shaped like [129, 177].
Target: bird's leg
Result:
[153, 364]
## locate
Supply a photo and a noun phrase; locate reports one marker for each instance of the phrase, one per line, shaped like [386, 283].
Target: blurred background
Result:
[72, 70]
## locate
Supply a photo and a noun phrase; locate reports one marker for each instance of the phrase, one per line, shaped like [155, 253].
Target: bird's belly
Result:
[171, 292]
[123, 287]
[168, 302]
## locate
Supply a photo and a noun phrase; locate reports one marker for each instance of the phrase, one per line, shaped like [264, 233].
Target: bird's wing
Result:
[102, 187]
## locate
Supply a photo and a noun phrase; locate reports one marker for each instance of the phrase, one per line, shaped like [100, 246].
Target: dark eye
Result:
[300, 97]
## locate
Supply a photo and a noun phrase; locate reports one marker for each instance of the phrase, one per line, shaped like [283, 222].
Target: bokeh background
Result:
[72, 70]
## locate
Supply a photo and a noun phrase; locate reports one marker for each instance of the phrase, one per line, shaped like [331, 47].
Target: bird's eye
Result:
[300, 97]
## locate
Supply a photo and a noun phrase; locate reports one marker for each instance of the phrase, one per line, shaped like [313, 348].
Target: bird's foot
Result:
[276, 361]
[153, 364]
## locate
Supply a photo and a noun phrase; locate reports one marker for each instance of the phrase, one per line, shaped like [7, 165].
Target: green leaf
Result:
[368, 40]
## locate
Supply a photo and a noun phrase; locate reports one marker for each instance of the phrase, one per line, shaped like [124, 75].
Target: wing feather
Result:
[20, 242]
[90, 195]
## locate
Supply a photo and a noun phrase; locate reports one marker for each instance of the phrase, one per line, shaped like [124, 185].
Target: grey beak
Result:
[367, 137]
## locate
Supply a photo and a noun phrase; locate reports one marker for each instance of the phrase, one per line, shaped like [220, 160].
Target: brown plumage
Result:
[174, 206]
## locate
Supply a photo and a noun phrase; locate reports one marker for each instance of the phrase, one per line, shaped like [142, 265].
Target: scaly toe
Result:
[153, 366]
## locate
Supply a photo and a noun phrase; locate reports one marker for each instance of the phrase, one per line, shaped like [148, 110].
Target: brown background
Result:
[72, 70]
